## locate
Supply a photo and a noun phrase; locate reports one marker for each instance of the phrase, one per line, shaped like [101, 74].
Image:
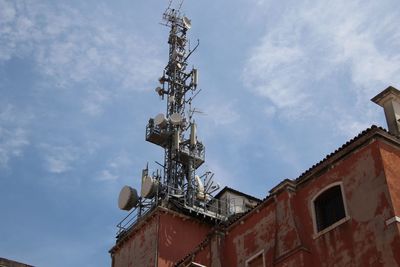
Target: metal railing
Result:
[214, 208]
[134, 216]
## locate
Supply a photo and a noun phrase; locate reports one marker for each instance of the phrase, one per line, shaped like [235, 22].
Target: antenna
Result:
[177, 184]
[187, 22]
[180, 5]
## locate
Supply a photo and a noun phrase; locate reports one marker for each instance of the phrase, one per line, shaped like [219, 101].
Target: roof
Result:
[317, 169]
[8, 262]
[349, 146]
[229, 189]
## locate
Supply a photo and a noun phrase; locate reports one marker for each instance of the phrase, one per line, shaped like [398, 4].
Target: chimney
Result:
[389, 99]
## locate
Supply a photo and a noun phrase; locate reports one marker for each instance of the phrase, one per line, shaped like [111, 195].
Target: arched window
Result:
[329, 207]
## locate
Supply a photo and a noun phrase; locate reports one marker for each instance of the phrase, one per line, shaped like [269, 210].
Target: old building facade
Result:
[343, 211]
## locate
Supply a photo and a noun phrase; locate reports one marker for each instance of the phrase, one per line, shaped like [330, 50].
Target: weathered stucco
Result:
[178, 235]
[139, 249]
[161, 239]
[282, 227]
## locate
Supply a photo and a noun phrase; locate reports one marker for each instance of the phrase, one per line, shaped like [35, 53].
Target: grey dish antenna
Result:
[187, 22]
[128, 198]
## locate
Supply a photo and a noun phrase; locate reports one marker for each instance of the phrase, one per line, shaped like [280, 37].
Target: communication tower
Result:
[177, 183]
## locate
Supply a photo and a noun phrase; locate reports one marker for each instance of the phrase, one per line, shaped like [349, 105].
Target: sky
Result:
[284, 83]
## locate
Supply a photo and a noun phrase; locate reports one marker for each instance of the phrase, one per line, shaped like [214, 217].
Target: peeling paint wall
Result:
[363, 240]
[249, 236]
[282, 228]
[391, 162]
[162, 240]
[178, 236]
[139, 249]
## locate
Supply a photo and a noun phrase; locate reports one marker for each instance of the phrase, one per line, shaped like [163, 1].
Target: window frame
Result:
[337, 223]
[196, 264]
[255, 256]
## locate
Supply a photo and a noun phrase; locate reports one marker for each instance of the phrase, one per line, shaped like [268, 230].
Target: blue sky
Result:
[283, 84]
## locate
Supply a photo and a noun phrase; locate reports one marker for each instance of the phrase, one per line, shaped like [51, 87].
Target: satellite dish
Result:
[186, 22]
[149, 187]
[160, 120]
[176, 118]
[128, 198]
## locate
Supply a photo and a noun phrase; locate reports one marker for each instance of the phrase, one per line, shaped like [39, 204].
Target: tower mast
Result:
[176, 132]
[183, 152]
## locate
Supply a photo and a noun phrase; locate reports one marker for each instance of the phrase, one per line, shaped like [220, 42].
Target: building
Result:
[10, 263]
[343, 211]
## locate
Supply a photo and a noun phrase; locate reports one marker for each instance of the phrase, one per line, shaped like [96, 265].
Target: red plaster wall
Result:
[203, 257]
[257, 232]
[364, 240]
[178, 236]
[284, 230]
[391, 162]
[140, 248]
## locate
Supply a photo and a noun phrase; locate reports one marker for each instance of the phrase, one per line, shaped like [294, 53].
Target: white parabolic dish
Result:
[160, 120]
[186, 22]
[176, 118]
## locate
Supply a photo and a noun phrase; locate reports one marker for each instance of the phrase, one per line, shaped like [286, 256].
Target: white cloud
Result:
[93, 105]
[222, 113]
[7, 12]
[313, 53]
[350, 126]
[270, 111]
[361, 35]
[115, 167]
[106, 175]
[79, 51]
[12, 142]
[59, 159]
[14, 136]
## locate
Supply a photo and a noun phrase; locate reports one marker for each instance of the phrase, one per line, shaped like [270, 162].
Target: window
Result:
[257, 260]
[194, 264]
[329, 207]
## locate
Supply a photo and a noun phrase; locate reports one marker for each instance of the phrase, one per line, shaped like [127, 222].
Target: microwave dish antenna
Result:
[187, 23]
[128, 198]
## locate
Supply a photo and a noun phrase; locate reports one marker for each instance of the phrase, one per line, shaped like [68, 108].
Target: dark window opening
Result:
[329, 208]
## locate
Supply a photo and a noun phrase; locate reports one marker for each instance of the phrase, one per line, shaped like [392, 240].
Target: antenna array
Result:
[176, 132]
